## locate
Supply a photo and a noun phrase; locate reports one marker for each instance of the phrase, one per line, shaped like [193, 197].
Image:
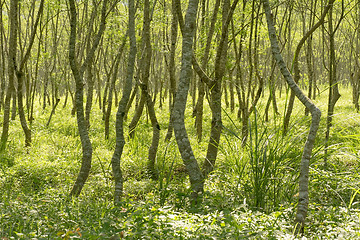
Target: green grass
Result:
[252, 194]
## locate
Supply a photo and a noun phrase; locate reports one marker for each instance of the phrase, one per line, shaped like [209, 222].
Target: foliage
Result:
[250, 195]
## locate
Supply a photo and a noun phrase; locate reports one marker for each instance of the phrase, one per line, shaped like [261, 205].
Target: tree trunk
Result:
[195, 175]
[296, 63]
[172, 69]
[215, 89]
[79, 94]
[3, 59]
[204, 62]
[315, 115]
[111, 89]
[120, 140]
[20, 78]
[334, 94]
[11, 70]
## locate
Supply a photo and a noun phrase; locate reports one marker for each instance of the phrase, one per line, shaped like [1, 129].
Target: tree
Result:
[315, 121]
[79, 95]
[181, 136]
[10, 90]
[334, 94]
[120, 140]
[215, 90]
[198, 111]
[19, 71]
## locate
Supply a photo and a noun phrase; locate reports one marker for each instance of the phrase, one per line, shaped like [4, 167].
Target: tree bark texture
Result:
[78, 73]
[120, 140]
[79, 101]
[172, 69]
[14, 4]
[215, 90]
[315, 114]
[193, 169]
[296, 63]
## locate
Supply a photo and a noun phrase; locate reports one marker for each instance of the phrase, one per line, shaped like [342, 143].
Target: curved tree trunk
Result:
[172, 69]
[193, 169]
[215, 90]
[315, 114]
[198, 113]
[11, 70]
[79, 94]
[120, 140]
[296, 64]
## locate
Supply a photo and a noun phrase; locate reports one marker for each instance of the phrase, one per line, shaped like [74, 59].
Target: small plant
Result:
[273, 164]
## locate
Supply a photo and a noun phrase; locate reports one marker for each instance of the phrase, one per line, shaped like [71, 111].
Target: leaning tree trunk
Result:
[220, 63]
[79, 93]
[181, 136]
[120, 140]
[315, 115]
[296, 64]
[20, 77]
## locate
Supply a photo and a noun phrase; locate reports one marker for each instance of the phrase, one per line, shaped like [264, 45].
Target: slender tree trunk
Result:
[181, 136]
[334, 94]
[3, 59]
[79, 93]
[90, 94]
[120, 140]
[145, 91]
[11, 70]
[20, 78]
[355, 77]
[296, 64]
[111, 89]
[79, 101]
[172, 69]
[220, 64]
[315, 115]
[199, 112]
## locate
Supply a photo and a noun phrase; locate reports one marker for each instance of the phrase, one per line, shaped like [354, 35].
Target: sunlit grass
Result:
[251, 194]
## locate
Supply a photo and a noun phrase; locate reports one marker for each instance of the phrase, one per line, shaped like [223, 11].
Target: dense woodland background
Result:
[179, 119]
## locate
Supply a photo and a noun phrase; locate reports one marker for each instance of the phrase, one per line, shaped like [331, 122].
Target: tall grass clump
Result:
[264, 171]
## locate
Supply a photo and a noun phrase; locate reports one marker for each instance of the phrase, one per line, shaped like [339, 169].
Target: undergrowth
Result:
[252, 194]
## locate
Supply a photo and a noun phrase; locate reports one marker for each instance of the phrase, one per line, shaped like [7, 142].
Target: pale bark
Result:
[193, 169]
[315, 114]
[172, 69]
[120, 140]
[334, 94]
[296, 63]
[79, 93]
[215, 90]
[11, 70]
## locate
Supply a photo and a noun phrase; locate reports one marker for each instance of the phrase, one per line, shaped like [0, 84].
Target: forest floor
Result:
[252, 194]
